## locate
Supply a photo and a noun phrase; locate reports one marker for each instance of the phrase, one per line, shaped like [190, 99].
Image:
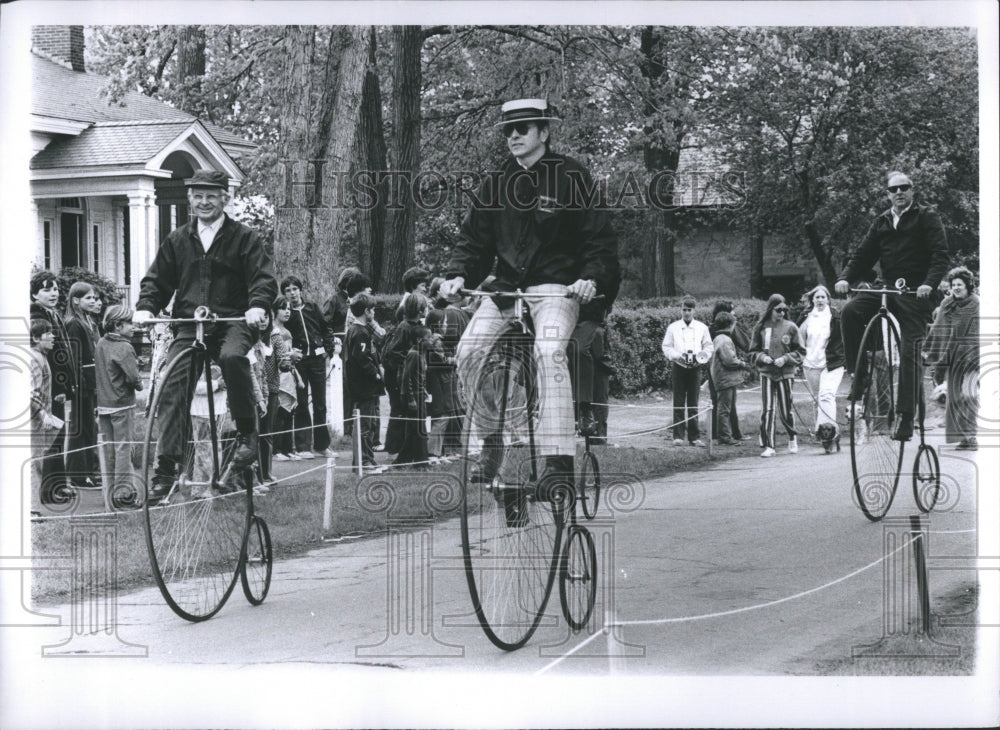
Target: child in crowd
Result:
[44, 290]
[363, 374]
[201, 430]
[440, 377]
[777, 350]
[726, 374]
[414, 396]
[259, 354]
[288, 382]
[277, 364]
[81, 461]
[117, 371]
[45, 426]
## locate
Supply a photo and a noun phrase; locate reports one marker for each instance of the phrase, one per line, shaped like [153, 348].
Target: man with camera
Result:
[687, 345]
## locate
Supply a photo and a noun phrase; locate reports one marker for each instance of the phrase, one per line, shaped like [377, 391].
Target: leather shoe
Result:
[904, 429]
[246, 450]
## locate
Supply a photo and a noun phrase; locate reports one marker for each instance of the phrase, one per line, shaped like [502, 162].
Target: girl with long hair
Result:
[777, 350]
[823, 364]
[82, 463]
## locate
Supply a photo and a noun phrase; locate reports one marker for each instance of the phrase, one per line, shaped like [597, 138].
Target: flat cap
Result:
[208, 179]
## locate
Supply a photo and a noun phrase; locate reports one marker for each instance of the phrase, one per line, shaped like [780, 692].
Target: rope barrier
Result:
[612, 624]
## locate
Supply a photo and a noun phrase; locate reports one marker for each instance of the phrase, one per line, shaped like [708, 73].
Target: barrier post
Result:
[710, 429]
[357, 441]
[331, 464]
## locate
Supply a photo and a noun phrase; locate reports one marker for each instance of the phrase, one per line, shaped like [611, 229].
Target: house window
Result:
[95, 242]
[47, 244]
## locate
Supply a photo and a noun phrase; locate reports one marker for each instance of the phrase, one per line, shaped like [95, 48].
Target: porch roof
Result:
[111, 144]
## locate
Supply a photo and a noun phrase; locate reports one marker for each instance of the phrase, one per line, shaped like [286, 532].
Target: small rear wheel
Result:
[578, 577]
[926, 478]
[256, 575]
[589, 487]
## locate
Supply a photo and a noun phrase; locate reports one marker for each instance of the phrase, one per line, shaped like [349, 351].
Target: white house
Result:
[107, 179]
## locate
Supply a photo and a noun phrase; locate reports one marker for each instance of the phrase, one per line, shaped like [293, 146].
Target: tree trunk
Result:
[191, 67]
[406, 82]
[659, 158]
[371, 160]
[757, 263]
[821, 253]
[318, 135]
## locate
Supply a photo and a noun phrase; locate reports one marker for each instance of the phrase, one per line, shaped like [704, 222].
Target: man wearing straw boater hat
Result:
[536, 222]
[222, 264]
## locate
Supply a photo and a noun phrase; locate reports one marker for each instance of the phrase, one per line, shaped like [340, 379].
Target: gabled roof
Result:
[61, 93]
[113, 144]
[66, 94]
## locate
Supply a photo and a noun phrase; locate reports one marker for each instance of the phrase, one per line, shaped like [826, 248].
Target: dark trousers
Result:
[590, 368]
[312, 434]
[685, 383]
[228, 344]
[369, 410]
[265, 444]
[54, 462]
[81, 461]
[395, 431]
[913, 315]
[734, 418]
[414, 448]
[725, 409]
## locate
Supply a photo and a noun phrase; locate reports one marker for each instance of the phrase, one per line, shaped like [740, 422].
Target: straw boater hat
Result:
[527, 110]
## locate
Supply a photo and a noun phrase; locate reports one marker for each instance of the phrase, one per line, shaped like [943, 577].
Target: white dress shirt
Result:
[208, 232]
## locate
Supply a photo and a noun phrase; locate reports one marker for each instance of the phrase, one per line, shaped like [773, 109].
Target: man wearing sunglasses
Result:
[907, 241]
[537, 222]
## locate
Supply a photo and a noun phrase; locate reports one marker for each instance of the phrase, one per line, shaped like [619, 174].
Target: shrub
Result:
[635, 336]
[68, 276]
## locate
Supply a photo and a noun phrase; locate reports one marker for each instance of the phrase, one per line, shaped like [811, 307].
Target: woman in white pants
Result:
[823, 364]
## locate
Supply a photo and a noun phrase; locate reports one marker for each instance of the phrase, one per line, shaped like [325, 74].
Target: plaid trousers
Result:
[554, 320]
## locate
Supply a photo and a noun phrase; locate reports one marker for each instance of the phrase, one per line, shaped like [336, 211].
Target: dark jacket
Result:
[234, 275]
[740, 338]
[362, 369]
[399, 343]
[82, 341]
[413, 378]
[61, 360]
[916, 251]
[310, 330]
[539, 227]
[117, 372]
[335, 313]
[835, 345]
[450, 322]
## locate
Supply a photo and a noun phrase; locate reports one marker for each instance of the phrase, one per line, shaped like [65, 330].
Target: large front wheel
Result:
[196, 507]
[876, 457]
[510, 533]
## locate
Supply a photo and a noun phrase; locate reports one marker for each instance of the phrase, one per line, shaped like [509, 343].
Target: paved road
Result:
[751, 567]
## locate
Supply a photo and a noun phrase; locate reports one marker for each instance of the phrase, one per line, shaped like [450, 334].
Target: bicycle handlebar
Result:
[201, 314]
[518, 294]
[900, 288]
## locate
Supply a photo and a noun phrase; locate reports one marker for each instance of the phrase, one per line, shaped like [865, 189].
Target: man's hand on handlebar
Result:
[255, 316]
[141, 317]
[841, 287]
[583, 290]
[451, 288]
[924, 291]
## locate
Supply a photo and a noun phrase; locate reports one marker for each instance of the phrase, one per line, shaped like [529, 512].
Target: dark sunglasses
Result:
[899, 188]
[522, 128]
[781, 309]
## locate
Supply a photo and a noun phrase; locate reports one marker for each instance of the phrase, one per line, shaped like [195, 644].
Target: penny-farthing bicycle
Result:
[201, 532]
[876, 457]
[512, 531]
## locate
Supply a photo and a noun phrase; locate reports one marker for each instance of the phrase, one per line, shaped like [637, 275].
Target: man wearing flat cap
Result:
[535, 229]
[222, 264]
